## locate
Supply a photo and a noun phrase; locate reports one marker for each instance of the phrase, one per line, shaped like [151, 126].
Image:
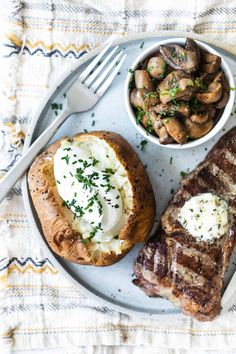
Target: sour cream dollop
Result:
[91, 190]
[205, 217]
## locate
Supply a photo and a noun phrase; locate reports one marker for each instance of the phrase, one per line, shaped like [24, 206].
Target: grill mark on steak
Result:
[160, 267]
[213, 182]
[154, 258]
[198, 186]
[229, 189]
[200, 296]
[227, 167]
[196, 262]
[189, 243]
[180, 268]
[183, 275]
[191, 291]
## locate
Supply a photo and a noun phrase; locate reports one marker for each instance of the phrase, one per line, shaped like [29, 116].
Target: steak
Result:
[175, 265]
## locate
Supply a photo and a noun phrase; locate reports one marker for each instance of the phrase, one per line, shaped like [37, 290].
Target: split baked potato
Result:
[93, 197]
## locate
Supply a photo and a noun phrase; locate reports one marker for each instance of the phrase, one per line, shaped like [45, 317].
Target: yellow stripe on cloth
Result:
[15, 40]
[28, 268]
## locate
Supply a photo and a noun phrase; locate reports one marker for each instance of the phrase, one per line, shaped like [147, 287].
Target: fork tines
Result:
[97, 79]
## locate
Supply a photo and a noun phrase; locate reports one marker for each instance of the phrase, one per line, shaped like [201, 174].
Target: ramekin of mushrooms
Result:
[177, 93]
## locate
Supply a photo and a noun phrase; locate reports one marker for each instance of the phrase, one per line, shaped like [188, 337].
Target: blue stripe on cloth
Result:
[55, 52]
[7, 263]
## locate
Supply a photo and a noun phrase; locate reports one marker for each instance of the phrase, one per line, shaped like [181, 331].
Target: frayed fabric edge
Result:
[11, 138]
[11, 135]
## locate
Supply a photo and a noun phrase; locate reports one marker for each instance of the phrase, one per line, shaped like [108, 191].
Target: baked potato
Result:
[93, 197]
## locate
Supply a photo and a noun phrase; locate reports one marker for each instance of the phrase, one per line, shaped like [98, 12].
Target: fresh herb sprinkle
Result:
[143, 144]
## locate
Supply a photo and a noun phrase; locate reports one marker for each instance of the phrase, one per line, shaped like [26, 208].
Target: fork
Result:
[84, 93]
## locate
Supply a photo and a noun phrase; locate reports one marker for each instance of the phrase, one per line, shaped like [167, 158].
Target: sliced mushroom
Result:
[191, 45]
[207, 108]
[208, 57]
[195, 130]
[153, 122]
[210, 62]
[143, 80]
[175, 129]
[176, 85]
[204, 80]
[164, 137]
[212, 94]
[172, 109]
[220, 77]
[137, 98]
[180, 58]
[187, 97]
[148, 120]
[156, 67]
[184, 110]
[185, 82]
[223, 100]
[210, 68]
[141, 98]
[144, 63]
[160, 129]
[199, 118]
[145, 120]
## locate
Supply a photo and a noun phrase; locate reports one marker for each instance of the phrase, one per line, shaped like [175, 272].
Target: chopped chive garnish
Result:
[143, 143]
[95, 162]
[183, 173]
[66, 158]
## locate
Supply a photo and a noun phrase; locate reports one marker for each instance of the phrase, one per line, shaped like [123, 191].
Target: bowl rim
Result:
[227, 109]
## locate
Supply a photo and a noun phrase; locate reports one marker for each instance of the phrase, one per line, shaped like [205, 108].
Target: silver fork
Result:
[85, 92]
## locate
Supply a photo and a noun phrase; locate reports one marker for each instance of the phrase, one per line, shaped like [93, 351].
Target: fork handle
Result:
[23, 163]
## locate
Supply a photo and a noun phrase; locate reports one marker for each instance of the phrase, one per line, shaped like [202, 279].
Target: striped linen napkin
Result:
[38, 307]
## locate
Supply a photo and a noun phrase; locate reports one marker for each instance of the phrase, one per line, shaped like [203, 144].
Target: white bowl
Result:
[221, 122]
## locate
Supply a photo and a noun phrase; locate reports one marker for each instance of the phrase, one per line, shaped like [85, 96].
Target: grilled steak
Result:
[175, 265]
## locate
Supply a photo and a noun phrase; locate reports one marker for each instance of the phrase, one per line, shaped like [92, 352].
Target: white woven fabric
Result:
[38, 307]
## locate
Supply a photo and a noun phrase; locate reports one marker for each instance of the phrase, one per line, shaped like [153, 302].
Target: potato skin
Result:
[67, 242]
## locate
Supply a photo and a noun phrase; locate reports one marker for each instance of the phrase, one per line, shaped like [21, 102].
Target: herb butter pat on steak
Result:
[205, 217]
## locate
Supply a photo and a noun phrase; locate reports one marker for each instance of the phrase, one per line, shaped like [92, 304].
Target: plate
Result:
[113, 284]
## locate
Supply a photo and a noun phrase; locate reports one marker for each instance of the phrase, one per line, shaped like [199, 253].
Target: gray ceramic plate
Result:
[114, 284]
